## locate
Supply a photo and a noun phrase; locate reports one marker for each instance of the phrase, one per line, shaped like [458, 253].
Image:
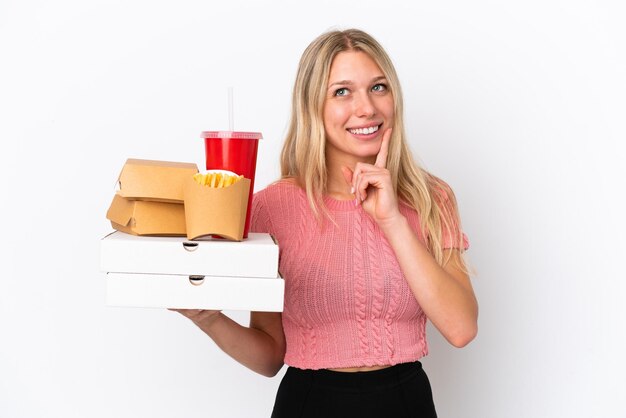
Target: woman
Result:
[370, 244]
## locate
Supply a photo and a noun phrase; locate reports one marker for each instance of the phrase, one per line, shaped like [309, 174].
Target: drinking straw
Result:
[231, 116]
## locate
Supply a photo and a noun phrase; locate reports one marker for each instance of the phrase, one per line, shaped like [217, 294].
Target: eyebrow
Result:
[349, 83]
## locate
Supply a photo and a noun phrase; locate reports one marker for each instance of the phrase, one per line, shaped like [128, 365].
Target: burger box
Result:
[173, 272]
[139, 217]
[160, 181]
[149, 199]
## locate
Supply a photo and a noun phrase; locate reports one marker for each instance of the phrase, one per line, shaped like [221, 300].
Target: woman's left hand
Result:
[373, 188]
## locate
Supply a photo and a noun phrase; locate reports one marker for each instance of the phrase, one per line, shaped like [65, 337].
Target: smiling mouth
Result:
[365, 131]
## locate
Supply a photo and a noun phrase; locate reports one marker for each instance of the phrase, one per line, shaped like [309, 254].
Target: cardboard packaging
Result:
[210, 211]
[257, 256]
[197, 292]
[160, 181]
[173, 272]
[147, 218]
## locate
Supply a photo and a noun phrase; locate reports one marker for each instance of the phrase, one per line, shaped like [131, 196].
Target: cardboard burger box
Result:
[173, 272]
[150, 198]
[139, 217]
[152, 180]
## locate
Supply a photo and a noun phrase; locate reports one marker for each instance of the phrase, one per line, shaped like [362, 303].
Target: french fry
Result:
[216, 179]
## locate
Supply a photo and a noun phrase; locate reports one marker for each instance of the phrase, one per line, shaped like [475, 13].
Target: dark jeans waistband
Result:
[359, 381]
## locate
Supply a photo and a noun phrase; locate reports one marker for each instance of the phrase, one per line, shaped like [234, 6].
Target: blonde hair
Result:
[303, 156]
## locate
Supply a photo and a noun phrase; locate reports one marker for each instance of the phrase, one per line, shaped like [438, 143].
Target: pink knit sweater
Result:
[347, 303]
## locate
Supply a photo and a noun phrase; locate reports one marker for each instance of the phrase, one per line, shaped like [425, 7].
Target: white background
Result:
[520, 106]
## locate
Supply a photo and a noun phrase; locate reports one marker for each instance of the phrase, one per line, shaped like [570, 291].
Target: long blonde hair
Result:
[303, 157]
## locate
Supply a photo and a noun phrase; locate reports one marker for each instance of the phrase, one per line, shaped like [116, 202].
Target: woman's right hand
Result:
[260, 347]
[199, 316]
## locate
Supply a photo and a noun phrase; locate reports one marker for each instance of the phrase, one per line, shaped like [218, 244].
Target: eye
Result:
[341, 92]
[379, 87]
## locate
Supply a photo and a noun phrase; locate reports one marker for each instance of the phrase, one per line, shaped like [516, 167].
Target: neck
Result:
[337, 186]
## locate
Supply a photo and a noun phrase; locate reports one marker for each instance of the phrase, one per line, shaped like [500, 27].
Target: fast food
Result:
[217, 179]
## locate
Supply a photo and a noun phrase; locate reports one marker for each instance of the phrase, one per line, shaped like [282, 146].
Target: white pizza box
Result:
[256, 256]
[195, 292]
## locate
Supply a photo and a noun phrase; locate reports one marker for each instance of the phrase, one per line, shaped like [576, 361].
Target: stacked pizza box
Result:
[174, 249]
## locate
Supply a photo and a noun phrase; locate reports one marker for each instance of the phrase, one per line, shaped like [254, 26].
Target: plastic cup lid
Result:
[231, 134]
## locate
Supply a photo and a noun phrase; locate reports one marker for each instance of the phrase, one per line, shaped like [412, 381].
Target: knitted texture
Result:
[347, 303]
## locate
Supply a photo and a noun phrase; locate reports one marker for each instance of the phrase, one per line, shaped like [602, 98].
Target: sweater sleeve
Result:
[260, 219]
[452, 235]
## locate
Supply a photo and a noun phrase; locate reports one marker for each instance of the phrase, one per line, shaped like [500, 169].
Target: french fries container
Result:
[211, 212]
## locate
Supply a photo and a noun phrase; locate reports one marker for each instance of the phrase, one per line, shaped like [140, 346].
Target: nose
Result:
[363, 106]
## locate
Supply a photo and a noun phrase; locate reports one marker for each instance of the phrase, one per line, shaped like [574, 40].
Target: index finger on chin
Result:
[381, 158]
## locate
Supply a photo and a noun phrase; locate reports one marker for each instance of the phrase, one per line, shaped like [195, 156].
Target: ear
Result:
[347, 174]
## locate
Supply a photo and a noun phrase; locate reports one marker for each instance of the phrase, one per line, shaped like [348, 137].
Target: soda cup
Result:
[236, 152]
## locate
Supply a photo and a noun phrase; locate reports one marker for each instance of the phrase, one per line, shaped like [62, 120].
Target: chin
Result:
[366, 156]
